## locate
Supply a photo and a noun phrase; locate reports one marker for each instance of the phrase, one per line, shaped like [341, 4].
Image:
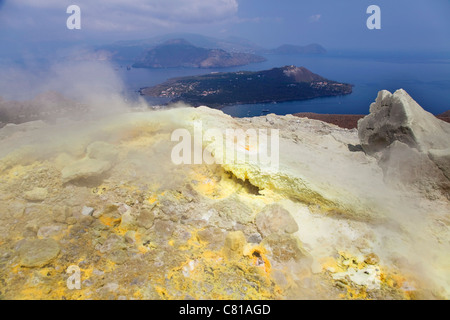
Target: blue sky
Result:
[414, 25]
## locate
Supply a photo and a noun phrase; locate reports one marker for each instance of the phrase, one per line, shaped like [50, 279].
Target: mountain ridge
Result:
[130, 50]
[181, 53]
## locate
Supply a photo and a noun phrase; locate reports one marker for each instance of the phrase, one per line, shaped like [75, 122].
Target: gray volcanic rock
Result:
[409, 141]
[85, 169]
[37, 253]
[398, 117]
[275, 219]
[285, 247]
[37, 194]
[442, 159]
[102, 151]
[407, 166]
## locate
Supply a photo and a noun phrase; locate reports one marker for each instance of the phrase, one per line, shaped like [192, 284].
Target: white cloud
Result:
[43, 3]
[141, 14]
[315, 18]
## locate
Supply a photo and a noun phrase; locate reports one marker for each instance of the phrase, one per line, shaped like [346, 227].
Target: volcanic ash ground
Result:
[345, 215]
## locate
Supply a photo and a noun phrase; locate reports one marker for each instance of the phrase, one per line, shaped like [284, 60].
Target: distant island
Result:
[143, 52]
[216, 90]
[180, 53]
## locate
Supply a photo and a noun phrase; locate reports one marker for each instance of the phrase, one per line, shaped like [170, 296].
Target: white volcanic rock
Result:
[405, 167]
[38, 252]
[315, 164]
[37, 194]
[413, 146]
[102, 151]
[397, 117]
[442, 159]
[85, 169]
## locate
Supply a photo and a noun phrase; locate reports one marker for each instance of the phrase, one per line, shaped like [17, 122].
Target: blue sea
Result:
[425, 78]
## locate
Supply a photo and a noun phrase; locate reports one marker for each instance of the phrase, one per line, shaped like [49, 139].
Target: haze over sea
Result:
[403, 44]
[426, 78]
